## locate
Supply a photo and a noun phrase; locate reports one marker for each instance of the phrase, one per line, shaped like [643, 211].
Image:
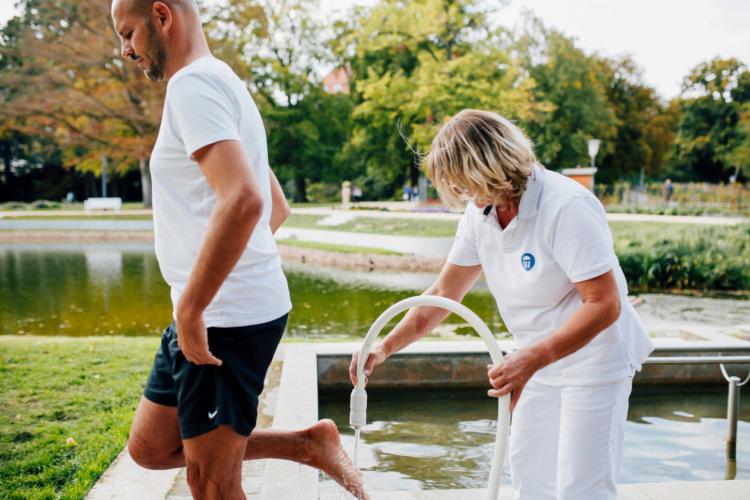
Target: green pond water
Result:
[82, 290]
[422, 441]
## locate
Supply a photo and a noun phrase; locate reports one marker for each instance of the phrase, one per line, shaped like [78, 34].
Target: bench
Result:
[102, 204]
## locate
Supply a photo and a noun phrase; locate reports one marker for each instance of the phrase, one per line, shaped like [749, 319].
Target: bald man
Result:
[216, 207]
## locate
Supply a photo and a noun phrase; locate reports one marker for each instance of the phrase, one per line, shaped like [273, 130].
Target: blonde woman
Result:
[544, 246]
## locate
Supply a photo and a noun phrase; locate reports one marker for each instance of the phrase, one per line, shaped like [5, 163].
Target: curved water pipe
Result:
[358, 402]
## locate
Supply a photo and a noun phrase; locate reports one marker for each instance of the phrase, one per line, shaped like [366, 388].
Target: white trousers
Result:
[566, 442]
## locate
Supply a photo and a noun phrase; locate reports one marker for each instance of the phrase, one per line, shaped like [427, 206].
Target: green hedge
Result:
[688, 258]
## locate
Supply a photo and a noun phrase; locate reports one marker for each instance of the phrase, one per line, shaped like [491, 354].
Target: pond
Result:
[103, 289]
[444, 440]
[117, 289]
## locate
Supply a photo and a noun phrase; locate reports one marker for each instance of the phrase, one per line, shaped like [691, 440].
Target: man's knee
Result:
[205, 485]
[149, 457]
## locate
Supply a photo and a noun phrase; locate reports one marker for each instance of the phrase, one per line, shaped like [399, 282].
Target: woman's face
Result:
[466, 195]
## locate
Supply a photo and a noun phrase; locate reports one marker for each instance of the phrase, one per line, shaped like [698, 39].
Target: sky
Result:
[666, 38]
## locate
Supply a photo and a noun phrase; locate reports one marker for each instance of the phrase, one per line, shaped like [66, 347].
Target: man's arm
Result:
[280, 210]
[238, 208]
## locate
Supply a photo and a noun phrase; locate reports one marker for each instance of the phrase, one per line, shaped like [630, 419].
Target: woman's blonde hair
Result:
[481, 155]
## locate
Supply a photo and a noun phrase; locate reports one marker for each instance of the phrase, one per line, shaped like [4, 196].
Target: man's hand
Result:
[512, 374]
[192, 338]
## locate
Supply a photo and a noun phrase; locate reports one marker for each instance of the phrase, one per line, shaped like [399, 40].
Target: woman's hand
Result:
[377, 356]
[511, 375]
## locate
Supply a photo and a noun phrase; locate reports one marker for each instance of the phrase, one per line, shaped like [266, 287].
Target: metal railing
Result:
[733, 397]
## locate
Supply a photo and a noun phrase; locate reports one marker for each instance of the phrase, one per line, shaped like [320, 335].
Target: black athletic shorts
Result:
[207, 396]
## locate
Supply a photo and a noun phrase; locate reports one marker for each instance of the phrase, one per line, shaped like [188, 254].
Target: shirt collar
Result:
[527, 207]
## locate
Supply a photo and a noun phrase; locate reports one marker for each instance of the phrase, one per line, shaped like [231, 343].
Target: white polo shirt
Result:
[559, 237]
[207, 103]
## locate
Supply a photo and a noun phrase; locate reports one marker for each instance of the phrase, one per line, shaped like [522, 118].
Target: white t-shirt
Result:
[207, 103]
[559, 237]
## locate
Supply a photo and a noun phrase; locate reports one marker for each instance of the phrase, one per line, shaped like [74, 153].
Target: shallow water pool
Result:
[444, 440]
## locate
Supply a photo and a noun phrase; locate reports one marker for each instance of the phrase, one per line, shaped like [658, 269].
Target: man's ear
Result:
[163, 14]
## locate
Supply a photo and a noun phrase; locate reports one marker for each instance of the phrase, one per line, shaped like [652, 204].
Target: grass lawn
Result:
[336, 248]
[67, 404]
[626, 232]
[52, 206]
[101, 216]
[399, 227]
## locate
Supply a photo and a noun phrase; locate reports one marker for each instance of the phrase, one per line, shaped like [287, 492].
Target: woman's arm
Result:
[600, 308]
[453, 282]
[280, 208]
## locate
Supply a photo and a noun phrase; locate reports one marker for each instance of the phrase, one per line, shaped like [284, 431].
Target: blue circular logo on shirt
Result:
[527, 261]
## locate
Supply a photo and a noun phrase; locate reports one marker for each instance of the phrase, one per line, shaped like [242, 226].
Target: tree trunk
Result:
[90, 186]
[414, 175]
[145, 181]
[301, 194]
[9, 189]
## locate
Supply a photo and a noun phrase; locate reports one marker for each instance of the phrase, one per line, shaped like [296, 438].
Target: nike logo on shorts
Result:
[211, 415]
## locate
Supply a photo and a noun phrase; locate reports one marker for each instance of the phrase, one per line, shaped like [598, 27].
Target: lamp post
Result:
[593, 149]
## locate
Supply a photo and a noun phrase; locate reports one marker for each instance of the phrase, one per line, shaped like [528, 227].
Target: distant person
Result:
[415, 193]
[668, 191]
[356, 194]
[216, 205]
[407, 193]
[542, 242]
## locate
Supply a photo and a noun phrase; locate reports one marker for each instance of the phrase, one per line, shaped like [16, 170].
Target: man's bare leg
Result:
[155, 443]
[214, 464]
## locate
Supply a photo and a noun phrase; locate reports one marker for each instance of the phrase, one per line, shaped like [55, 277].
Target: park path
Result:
[332, 217]
[382, 210]
[402, 210]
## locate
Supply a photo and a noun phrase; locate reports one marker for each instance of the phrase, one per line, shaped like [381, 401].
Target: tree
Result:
[739, 149]
[659, 134]
[574, 88]
[631, 103]
[415, 64]
[277, 47]
[72, 86]
[710, 135]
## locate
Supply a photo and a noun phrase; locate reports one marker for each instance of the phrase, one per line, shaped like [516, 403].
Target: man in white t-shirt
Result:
[545, 249]
[216, 207]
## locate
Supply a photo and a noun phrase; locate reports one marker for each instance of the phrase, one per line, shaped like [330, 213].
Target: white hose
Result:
[358, 413]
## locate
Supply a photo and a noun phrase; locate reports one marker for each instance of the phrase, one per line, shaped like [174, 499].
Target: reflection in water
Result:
[81, 290]
[441, 441]
[104, 266]
[118, 290]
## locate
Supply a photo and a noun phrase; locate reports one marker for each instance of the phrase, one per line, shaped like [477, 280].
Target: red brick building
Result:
[337, 81]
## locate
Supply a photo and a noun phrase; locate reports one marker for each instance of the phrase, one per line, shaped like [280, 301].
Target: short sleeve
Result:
[202, 111]
[464, 249]
[582, 243]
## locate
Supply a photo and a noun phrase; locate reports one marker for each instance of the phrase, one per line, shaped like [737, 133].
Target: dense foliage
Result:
[68, 100]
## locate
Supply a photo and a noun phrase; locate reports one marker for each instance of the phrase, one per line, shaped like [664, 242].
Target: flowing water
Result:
[357, 431]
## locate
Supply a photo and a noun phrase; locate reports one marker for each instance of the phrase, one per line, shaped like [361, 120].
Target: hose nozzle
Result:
[358, 408]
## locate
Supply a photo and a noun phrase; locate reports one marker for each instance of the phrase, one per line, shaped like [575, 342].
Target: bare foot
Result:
[326, 453]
